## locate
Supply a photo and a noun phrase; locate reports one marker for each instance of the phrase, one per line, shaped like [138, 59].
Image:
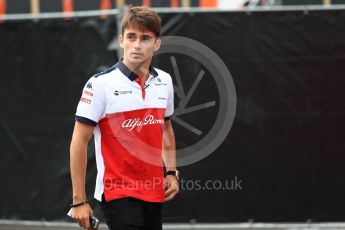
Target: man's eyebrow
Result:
[147, 36]
[130, 34]
[143, 35]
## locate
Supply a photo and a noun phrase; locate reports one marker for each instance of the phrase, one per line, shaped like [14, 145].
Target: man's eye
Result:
[146, 39]
[131, 38]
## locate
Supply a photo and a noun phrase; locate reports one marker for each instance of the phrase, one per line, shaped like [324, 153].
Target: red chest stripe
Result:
[132, 151]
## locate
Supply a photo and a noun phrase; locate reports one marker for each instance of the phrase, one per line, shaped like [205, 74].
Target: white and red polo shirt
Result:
[129, 123]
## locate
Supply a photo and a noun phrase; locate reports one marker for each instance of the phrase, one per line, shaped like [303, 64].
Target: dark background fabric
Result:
[286, 144]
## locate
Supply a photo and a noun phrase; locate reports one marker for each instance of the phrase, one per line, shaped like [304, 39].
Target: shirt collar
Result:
[131, 75]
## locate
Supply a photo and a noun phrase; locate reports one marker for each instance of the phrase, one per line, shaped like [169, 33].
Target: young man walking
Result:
[127, 109]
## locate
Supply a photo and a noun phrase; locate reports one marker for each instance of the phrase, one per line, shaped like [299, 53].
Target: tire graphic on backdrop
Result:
[227, 97]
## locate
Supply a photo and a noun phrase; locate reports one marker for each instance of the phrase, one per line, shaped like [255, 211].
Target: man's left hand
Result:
[171, 187]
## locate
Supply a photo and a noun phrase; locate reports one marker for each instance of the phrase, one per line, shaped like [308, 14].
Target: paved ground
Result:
[36, 225]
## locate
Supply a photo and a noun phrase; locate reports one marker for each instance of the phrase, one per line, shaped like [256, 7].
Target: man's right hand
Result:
[82, 215]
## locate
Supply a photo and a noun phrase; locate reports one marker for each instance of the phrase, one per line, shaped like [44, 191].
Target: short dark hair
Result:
[143, 18]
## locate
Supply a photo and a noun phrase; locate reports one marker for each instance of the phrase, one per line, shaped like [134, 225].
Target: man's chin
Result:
[136, 62]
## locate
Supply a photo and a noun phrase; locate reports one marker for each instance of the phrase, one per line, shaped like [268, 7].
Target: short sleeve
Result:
[92, 103]
[170, 105]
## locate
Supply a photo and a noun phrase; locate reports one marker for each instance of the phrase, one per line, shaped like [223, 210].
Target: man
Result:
[127, 108]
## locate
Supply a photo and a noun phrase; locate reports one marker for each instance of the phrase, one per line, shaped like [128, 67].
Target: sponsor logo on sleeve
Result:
[87, 93]
[89, 85]
[85, 100]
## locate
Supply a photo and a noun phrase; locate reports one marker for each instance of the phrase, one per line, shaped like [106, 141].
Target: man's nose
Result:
[137, 44]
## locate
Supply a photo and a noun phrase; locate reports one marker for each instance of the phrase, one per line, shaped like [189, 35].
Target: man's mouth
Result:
[136, 53]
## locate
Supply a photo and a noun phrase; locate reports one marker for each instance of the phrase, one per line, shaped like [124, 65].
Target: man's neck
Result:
[142, 70]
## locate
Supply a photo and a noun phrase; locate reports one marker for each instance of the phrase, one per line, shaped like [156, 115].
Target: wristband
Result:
[79, 204]
[175, 173]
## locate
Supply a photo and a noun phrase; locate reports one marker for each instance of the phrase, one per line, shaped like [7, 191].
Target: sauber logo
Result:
[130, 124]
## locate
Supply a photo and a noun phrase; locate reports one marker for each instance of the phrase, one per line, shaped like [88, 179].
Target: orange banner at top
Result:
[208, 3]
[105, 5]
[2, 7]
[174, 3]
[147, 3]
[67, 6]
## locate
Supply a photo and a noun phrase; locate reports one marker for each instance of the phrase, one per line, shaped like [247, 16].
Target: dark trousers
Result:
[132, 214]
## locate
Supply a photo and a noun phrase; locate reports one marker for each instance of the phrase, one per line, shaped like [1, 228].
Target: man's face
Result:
[138, 46]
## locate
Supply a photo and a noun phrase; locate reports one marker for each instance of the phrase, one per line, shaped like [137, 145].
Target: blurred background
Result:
[27, 6]
[281, 164]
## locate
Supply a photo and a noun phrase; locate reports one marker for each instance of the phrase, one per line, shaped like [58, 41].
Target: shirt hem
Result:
[110, 197]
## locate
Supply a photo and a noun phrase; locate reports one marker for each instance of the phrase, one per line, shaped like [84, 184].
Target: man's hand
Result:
[82, 215]
[171, 187]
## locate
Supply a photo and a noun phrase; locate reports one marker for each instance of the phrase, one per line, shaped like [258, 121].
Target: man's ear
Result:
[121, 40]
[157, 44]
